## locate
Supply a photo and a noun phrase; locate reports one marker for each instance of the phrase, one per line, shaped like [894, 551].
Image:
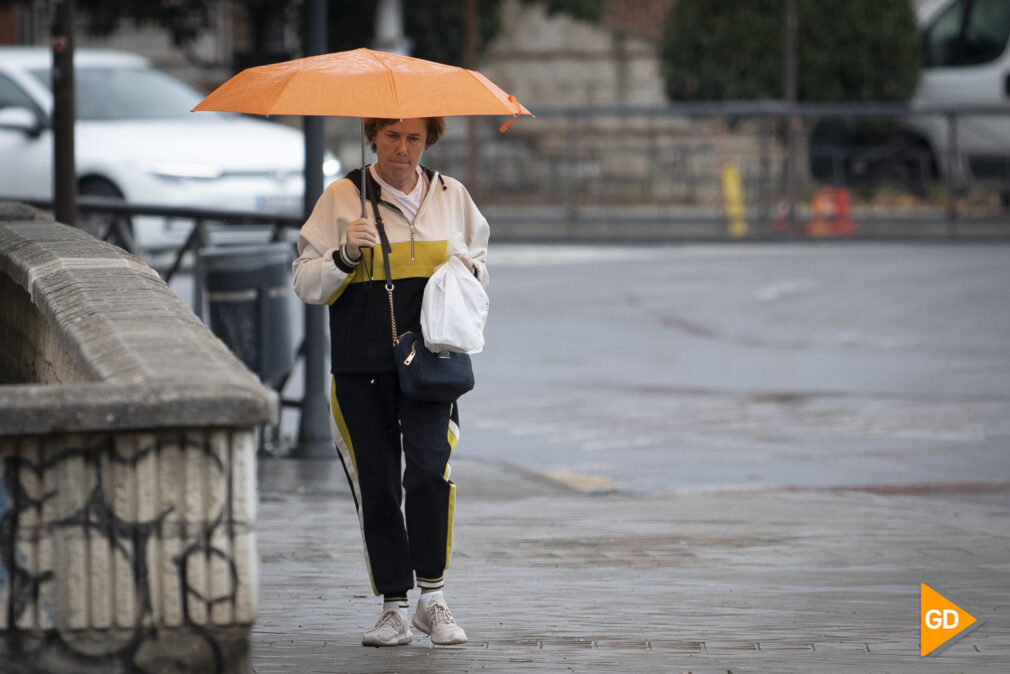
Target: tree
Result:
[436, 30]
[583, 10]
[848, 50]
[183, 19]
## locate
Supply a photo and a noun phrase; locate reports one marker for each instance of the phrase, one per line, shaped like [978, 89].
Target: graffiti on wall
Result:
[135, 542]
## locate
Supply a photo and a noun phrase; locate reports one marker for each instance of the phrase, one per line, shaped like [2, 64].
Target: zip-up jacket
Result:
[361, 338]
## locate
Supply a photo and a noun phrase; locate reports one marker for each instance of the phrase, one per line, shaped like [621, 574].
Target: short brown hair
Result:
[435, 126]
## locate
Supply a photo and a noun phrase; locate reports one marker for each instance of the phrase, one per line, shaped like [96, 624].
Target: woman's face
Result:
[398, 148]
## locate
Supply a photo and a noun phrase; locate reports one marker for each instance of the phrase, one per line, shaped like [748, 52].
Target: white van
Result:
[967, 63]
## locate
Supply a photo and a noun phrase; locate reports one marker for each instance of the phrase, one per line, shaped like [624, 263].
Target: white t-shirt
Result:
[407, 203]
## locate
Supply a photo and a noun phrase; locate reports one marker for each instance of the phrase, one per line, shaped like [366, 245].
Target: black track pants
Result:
[375, 426]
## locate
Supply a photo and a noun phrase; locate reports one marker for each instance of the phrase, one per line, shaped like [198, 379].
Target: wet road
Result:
[679, 368]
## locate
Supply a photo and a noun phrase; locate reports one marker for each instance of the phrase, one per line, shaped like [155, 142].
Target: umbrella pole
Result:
[362, 167]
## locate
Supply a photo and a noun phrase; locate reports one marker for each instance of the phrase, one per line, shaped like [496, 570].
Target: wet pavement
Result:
[550, 578]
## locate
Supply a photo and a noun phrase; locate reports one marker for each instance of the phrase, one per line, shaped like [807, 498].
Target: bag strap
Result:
[386, 250]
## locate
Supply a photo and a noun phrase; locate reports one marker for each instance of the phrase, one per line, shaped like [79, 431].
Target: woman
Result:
[425, 215]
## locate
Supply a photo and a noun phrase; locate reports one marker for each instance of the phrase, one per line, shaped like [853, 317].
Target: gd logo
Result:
[941, 620]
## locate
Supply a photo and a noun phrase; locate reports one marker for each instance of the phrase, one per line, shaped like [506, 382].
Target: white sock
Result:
[428, 596]
[397, 605]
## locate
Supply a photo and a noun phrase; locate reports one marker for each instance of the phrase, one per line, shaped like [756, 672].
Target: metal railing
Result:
[662, 164]
[118, 230]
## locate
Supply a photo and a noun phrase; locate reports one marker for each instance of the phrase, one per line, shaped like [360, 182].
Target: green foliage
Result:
[351, 27]
[584, 10]
[847, 50]
[436, 30]
[183, 19]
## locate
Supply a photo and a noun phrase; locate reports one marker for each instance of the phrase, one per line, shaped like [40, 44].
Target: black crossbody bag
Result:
[433, 377]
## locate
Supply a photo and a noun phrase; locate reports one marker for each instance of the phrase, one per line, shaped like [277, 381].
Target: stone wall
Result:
[130, 551]
[558, 60]
[127, 466]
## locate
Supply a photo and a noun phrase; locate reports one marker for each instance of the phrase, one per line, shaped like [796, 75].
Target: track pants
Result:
[374, 426]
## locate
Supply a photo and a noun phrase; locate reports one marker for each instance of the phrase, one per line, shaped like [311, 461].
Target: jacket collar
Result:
[355, 177]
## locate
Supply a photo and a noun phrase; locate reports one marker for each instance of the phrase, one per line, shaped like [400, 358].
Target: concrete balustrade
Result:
[127, 465]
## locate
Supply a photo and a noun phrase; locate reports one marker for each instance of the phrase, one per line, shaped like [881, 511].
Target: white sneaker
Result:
[436, 621]
[391, 630]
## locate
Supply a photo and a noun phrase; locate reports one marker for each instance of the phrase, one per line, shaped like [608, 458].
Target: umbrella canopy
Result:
[362, 83]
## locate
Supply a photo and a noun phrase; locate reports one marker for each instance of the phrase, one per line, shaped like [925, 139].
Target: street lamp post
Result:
[64, 173]
[790, 93]
[314, 437]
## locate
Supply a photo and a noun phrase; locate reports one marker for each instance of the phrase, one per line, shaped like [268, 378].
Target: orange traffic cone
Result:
[843, 225]
[822, 209]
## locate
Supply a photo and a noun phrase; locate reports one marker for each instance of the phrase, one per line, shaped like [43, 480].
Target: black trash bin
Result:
[246, 291]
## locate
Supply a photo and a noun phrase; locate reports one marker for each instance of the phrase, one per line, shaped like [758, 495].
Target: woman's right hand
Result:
[360, 234]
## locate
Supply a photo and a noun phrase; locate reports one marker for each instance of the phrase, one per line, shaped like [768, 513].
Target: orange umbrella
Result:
[362, 83]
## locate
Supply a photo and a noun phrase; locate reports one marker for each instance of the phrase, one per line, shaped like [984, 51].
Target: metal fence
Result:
[702, 169]
[711, 171]
[110, 220]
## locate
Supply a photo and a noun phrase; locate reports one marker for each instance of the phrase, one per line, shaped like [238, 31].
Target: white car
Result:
[135, 138]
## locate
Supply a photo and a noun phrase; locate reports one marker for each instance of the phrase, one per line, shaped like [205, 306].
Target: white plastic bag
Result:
[454, 309]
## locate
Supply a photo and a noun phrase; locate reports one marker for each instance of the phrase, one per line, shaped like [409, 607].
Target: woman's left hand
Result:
[465, 260]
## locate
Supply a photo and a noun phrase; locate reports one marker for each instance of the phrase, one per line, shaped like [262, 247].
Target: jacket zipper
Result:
[410, 223]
